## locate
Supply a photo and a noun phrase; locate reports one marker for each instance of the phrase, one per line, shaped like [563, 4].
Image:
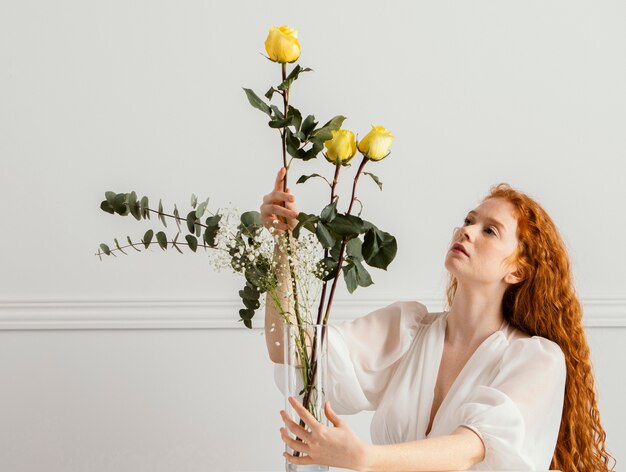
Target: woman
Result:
[500, 380]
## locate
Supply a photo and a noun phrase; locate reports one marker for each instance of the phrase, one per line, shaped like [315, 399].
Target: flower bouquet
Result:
[318, 251]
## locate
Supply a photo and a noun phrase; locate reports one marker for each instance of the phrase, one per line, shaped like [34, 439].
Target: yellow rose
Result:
[282, 44]
[342, 146]
[376, 144]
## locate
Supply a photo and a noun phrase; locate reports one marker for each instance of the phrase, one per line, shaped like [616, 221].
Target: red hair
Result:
[544, 303]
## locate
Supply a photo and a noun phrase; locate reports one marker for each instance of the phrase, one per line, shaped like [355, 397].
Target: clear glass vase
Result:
[306, 354]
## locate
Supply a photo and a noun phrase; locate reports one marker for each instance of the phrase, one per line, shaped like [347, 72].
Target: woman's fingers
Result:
[294, 427]
[269, 210]
[278, 196]
[300, 460]
[304, 414]
[292, 443]
[331, 415]
[278, 184]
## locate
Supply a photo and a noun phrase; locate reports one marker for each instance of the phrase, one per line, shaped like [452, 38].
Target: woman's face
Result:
[489, 236]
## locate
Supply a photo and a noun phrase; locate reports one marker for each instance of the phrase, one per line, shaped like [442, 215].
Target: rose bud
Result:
[282, 44]
[341, 147]
[377, 143]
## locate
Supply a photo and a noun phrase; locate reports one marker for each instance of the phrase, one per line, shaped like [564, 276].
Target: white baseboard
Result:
[213, 314]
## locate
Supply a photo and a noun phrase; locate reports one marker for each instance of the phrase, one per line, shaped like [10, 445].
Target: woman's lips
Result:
[457, 247]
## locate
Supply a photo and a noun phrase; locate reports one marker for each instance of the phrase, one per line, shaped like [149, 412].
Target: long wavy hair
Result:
[544, 303]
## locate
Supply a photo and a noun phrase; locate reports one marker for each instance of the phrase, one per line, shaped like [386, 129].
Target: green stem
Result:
[307, 396]
[290, 252]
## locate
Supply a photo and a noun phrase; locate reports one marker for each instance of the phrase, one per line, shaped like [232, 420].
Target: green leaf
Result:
[347, 226]
[110, 196]
[161, 217]
[379, 248]
[353, 249]
[293, 143]
[270, 93]
[105, 249]
[251, 219]
[296, 117]
[246, 314]
[132, 244]
[336, 249]
[251, 304]
[143, 206]
[307, 221]
[325, 132]
[147, 238]
[248, 324]
[282, 123]
[250, 291]
[304, 178]
[201, 209]
[254, 276]
[119, 204]
[375, 179]
[324, 236]
[350, 277]
[191, 221]
[162, 239]
[362, 275]
[118, 246]
[293, 75]
[213, 227]
[194, 200]
[176, 246]
[327, 264]
[278, 115]
[256, 102]
[316, 147]
[308, 125]
[329, 213]
[106, 206]
[134, 206]
[177, 217]
[192, 242]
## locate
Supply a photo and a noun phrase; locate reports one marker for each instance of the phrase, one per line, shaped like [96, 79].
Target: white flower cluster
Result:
[226, 239]
[306, 249]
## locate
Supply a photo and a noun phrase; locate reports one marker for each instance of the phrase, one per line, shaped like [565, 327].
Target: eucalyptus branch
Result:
[177, 218]
[174, 243]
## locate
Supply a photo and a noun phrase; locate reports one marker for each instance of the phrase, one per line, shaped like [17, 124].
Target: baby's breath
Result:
[237, 254]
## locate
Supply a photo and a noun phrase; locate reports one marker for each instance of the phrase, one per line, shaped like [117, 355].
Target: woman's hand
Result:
[336, 446]
[272, 211]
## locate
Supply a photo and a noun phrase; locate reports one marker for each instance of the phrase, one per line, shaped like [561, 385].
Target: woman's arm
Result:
[457, 451]
[338, 446]
[274, 321]
[278, 205]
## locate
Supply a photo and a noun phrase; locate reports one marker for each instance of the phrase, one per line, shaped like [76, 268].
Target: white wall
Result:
[146, 96]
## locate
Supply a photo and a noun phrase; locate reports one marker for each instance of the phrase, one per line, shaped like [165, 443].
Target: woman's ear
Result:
[514, 277]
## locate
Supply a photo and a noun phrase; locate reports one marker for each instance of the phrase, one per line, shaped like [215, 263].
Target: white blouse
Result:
[510, 392]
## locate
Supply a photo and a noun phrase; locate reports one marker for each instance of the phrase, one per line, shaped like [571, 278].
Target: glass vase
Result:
[305, 349]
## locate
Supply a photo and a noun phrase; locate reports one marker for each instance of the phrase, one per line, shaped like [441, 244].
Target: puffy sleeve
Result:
[363, 353]
[518, 415]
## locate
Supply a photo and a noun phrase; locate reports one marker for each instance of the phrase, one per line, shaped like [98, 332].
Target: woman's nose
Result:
[458, 233]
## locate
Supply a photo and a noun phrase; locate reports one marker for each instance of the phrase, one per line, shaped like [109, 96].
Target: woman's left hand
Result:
[336, 446]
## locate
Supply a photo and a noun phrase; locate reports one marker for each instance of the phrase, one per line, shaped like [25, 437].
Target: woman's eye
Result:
[489, 230]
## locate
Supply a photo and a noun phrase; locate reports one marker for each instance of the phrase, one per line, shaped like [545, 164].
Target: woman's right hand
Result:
[272, 208]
